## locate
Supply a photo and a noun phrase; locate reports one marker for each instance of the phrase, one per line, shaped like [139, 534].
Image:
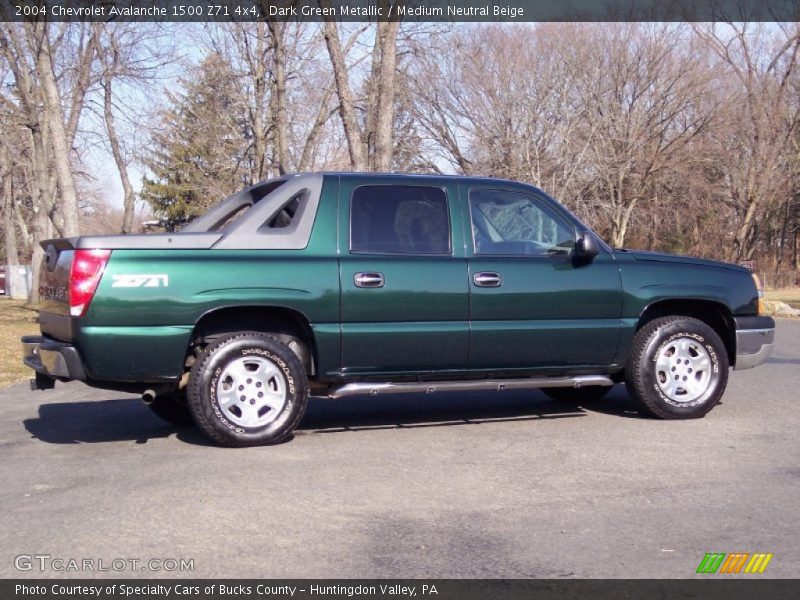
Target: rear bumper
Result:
[755, 337]
[48, 357]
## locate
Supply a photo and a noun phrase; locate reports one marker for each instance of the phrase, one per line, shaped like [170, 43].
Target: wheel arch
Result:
[279, 320]
[713, 313]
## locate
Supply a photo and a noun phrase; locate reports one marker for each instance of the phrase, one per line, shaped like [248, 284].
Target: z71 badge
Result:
[131, 281]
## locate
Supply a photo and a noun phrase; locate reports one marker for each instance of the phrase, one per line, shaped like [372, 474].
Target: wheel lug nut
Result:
[242, 398]
[260, 395]
[690, 369]
[673, 368]
[249, 381]
[677, 376]
[252, 400]
[258, 384]
[684, 377]
[241, 387]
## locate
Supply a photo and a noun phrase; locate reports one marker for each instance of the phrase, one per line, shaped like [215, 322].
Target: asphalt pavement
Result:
[509, 485]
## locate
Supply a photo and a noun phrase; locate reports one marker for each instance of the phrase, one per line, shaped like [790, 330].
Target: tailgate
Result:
[54, 318]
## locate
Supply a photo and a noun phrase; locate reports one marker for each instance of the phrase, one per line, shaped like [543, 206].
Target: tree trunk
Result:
[23, 229]
[741, 241]
[260, 134]
[781, 242]
[60, 148]
[384, 116]
[41, 222]
[12, 251]
[43, 186]
[620, 228]
[84, 61]
[129, 200]
[42, 229]
[355, 143]
[322, 116]
[277, 31]
[371, 112]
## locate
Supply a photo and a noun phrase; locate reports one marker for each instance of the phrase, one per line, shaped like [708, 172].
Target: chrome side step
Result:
[497, 385]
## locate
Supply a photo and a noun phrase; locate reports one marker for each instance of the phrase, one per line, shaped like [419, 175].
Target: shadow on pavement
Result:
[103, 421]
[774, 360]
[451, 409]
[129, 420]
[616, 403]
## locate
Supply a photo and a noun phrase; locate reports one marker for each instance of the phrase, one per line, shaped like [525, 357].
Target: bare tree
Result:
[62, 127]
[280, 87]
[347, 108]
[760, 118]
[278, 42]
[384, 82]
[370, 145]
[484, 112]
[52, 71]
[111, 57]
[644, 97]
[9, 227]
[130, 57]
[248, 48]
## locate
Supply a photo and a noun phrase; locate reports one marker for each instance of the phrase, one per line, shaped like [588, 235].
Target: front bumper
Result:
[755, 337]
[51, 358]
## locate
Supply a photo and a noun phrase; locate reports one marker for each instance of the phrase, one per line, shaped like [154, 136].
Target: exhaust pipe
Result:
[149, 396]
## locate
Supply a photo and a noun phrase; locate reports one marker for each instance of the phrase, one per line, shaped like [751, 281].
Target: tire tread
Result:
[640, 396]
[203, 414]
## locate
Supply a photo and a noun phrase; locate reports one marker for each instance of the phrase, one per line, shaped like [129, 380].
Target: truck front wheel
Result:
[248, 389]
[677, 368]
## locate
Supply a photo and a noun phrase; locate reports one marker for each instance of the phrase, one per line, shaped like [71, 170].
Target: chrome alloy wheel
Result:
[683, 369]
[251, 391]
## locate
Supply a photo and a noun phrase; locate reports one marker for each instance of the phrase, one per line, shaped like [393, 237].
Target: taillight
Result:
[87, 269]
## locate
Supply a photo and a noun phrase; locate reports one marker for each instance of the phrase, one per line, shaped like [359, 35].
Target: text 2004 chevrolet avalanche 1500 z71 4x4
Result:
[338, 284]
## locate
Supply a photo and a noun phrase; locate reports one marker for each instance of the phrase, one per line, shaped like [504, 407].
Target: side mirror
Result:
[586, 246]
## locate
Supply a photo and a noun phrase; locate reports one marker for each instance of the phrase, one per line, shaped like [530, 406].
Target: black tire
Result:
[646, 380]
[208, 377]
[172, 408]
[586, 393]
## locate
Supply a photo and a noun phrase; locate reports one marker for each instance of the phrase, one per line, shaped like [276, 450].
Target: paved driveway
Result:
[479, 485]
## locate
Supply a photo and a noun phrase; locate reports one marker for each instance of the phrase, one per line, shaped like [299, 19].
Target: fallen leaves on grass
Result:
[16, 319]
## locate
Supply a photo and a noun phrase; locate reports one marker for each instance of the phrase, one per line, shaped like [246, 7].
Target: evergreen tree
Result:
[198, 156]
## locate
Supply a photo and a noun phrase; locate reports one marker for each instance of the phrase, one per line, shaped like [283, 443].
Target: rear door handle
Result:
[487, 279]
[369, 280]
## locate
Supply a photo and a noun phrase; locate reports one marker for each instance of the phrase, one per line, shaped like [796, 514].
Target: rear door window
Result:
[399, 219]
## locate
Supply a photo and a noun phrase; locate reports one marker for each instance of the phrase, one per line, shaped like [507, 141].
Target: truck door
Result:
[403, 277]
[531, 304]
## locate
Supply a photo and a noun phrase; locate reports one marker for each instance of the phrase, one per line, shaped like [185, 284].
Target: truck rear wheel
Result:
[677, 368]
[248, 389]
[172, 408]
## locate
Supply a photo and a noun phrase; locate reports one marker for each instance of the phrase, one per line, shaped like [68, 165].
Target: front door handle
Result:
[369, 280]
[487, 279]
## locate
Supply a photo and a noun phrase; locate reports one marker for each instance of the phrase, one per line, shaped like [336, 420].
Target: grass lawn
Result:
[790, 295]
[16, 320]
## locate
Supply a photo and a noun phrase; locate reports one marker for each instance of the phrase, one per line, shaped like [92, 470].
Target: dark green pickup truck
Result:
[340, 284]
